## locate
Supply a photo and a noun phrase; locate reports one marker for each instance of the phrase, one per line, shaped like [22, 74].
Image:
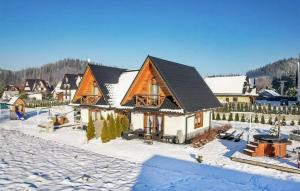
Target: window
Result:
[198, 120]
[154, 91]
[227, 99]
[235, 99]
[95, 88]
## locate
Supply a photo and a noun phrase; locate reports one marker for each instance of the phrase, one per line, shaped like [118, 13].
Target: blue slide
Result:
[20, 115]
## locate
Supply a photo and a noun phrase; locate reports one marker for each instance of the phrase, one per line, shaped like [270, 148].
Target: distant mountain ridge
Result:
[52, 72]
[278, 69]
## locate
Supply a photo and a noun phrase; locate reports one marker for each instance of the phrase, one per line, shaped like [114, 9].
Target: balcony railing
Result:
[148, 100]
[89, 99]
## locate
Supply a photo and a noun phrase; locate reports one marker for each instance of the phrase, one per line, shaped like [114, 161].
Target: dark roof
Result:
[169, 103]
[106, 75]
[31, 83]
[186, 84]
[101, 101]
[71, 80]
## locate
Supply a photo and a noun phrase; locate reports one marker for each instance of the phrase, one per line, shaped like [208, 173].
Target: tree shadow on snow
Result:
[164, 173]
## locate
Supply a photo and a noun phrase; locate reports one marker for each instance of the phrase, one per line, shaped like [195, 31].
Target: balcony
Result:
[89, 99]
[148, 100]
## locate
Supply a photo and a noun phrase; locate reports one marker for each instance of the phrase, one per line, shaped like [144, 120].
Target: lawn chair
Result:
[226, 135]
[237, 138]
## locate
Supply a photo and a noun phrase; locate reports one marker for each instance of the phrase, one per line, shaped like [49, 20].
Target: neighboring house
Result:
[38, 86]
[101, 90]
[69, 86]
[7, 95]
[268, 94]
[11, 88]
[230, 89]
[57, 92]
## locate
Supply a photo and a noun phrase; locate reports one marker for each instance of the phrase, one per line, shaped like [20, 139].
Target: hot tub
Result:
[270, 145]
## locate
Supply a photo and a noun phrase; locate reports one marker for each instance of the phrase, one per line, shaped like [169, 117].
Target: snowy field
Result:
[31, 159]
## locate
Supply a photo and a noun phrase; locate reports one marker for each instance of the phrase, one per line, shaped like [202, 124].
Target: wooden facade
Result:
[88, 92]
[141, 90]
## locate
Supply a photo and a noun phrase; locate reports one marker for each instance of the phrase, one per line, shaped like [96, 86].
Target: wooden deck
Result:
[266, 165]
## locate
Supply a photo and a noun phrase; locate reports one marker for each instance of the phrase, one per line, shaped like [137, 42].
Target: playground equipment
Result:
[17, 108]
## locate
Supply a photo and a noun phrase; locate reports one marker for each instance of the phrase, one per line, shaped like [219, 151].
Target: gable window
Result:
[235, 99]
[154, 91]
[95, 88]
[198, 121]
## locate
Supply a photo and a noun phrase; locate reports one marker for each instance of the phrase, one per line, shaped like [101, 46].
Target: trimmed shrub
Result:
[262, 120]
[236, 117]
[224, 116]
[90, 132]
[118, 126]
[274, 110]
[230, 118]
[243, 118]
[299, 121]
[256, 119]
[213, 115]
[218, 116]
[270, 120]
[292, 123]
[112, 126]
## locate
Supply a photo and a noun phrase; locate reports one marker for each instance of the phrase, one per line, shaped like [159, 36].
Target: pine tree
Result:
[90, 132]
[262, 120]
[256, 119]
[125, 124]
[118, 126]
[224, 117]
[218, 116]
[236, 117]
[105, 137]
[243, 118]
[270, 120]
[230, 118]
[112, 127]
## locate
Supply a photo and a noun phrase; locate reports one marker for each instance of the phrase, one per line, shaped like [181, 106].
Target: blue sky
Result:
[216, 37]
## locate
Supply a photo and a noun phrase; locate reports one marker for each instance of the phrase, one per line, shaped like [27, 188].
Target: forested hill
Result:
[52, 72]
[278, 69]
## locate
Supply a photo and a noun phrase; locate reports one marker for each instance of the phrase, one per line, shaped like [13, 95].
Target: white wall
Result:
[84, 115]
[35, 96]
[174, 123]
[137, 121]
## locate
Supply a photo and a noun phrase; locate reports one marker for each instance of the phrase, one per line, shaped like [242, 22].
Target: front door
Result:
[153, 125]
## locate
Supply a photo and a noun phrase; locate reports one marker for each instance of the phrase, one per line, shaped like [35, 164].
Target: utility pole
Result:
[298, 74]
[282, 87]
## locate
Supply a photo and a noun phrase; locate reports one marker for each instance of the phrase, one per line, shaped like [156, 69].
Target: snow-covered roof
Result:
[271, 92]
[231, 85]
[117, 91]
[13, 100]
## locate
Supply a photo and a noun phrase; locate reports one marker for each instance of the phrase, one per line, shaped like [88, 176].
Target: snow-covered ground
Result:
[32, 159]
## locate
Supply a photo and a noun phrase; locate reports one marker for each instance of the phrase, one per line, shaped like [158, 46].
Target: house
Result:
[7, 95]
[37, 85]
[169, 99]
[101, 90]
[268, 94]
[11, 88]
[163, 98]
[232, 89]
[58, 93]
[69, 86]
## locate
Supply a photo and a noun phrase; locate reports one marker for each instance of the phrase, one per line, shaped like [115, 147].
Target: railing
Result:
[89, 99]
[148, 100]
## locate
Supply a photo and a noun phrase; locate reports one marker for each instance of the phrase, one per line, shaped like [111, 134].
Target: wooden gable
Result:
[86, 85]
[141, 85]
